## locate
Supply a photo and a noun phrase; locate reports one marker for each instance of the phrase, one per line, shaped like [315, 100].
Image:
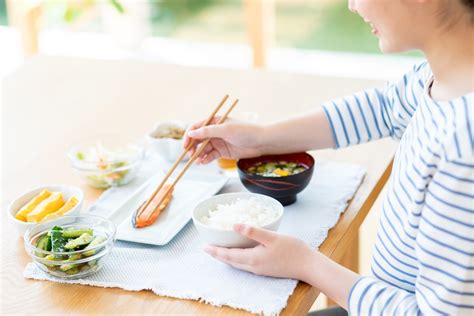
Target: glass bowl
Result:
[72, 264]
[108, 162]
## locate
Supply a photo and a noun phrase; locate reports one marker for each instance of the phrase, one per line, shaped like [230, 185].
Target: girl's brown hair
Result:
[469, 3]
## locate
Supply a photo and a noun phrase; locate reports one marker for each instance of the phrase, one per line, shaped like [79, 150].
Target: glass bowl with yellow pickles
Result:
[44, 204]
[71, 246]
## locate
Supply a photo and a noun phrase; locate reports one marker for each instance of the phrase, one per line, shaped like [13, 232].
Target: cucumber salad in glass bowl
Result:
[72, 246]
[108, 162]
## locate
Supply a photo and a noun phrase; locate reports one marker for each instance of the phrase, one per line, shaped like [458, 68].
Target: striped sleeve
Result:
[376, 113]
[444, 249]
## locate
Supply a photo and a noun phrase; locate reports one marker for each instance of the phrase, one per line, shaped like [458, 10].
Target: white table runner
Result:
[181, 269]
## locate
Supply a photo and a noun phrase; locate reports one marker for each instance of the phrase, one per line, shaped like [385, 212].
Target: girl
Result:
[424, 254]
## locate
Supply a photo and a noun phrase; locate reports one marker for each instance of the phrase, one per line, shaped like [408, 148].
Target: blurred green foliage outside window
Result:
[306, 24]
[3, 13]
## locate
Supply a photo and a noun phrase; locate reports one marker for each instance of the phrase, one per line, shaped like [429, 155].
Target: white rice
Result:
[241, 211]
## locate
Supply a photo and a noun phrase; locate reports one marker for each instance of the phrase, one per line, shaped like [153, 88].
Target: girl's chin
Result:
[387, 47]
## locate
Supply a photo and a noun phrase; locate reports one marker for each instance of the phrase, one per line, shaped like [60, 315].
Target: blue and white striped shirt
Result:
[424, 254]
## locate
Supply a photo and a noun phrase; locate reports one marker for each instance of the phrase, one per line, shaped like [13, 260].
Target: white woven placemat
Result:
[181, 269]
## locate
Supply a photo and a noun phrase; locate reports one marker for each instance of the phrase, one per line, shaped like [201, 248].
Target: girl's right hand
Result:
[232, 140]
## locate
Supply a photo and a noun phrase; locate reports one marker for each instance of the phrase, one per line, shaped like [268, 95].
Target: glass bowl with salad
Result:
[108, 162]
[72, 246]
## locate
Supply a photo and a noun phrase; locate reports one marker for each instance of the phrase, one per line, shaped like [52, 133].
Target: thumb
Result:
[212, 131]
[261, 236]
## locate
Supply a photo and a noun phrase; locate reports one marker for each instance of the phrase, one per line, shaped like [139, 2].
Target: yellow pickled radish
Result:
[70, 204]
[32, 204]
[48, 206]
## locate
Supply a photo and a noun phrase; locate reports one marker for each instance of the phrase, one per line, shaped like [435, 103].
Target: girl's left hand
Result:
[277, 255]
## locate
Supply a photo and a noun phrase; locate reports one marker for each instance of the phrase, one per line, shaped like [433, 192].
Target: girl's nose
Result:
[352, 5]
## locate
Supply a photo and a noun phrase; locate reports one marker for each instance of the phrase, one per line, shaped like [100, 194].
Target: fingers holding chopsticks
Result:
[212, 119]
[213, 154]
[197, 134]
[231, 140]
[216, 148]
[187, 138]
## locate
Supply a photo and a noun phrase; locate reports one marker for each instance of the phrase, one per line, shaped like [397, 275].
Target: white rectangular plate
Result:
[190, 190]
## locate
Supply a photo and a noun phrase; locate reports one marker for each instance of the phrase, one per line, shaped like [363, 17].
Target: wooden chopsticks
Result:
[183, 154]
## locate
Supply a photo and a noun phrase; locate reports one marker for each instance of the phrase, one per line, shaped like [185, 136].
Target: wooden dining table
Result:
[51, 103]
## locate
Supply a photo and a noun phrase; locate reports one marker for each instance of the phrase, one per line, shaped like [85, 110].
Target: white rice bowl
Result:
[241, 211]
[215, 217]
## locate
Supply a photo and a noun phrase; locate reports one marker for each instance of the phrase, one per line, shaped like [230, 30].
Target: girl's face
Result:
[398, 24]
